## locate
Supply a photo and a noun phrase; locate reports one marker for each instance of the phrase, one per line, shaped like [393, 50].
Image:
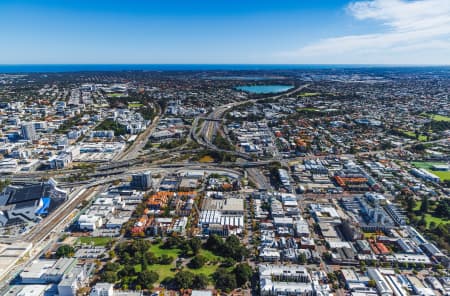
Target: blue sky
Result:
[225, 31]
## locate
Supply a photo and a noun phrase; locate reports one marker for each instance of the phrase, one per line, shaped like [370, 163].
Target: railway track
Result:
[43, 229]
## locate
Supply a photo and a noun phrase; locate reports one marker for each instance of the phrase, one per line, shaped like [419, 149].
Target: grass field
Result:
[169, 270]
[425, 164]
[429, 217]
[116, 95]
[308, 94]
[412, 134]
[207, 270]
[134, 105]
[417, 207]
[437, 117]
[96, 241]
[165, 271]
[209, 255]
[443, 175]
[156, 249]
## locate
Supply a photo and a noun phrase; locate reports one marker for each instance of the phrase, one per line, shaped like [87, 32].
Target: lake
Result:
[265, 89]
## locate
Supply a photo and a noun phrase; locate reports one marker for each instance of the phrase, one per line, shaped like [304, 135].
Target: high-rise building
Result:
[141, 181]
[28, 131]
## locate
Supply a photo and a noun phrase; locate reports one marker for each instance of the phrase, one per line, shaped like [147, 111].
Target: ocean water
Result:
[265, 89]
[55, 68]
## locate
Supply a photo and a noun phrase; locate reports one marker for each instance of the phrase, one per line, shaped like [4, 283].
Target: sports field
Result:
[436, 117]
[443, 175]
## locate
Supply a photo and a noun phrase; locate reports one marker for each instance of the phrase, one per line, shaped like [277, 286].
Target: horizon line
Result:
[216, 64]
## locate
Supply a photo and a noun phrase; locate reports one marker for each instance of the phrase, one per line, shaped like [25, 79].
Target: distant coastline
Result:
[56, 68]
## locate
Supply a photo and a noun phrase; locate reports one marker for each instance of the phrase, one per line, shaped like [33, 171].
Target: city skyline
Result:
[387, 32]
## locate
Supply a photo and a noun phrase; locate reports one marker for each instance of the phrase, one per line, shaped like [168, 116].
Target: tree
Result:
[197, 262]
[327, 256]
[144, 262]
[362, 265]
[111, 266]
[424, 205]
[112, 254]
[432, 225]
[173, 242]
[65, 251]
[147, 278]
[228, 262]
[243, 273]
[411, 204]
[195, 245]
[224, 280]
[126, 271]
[443, 208]
[422, 221]
[184, 279]
[185, 248]
[232, 248]
[109, 277]
[302, 258]
[165, 259]
[332, 277]
[140, 246]
[214, 243]
[200, 281]
[372, 283]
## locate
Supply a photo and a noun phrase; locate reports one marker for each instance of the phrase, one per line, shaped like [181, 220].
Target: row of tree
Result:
[230, 248]
[224, 279]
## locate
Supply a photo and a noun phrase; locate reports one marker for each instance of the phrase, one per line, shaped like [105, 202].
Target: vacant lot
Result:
[95, 241]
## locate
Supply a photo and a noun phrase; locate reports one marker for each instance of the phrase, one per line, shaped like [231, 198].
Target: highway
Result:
[258, 178]
[211, 124]
[128, 158]
[133, 151]
[128, 163]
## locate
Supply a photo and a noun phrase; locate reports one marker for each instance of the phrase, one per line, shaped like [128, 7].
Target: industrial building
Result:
[283, 280]
[222, 216]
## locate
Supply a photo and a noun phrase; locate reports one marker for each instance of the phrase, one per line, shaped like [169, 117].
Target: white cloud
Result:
[413, 29]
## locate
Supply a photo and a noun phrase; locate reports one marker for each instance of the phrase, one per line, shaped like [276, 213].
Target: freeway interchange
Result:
[130, 161]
